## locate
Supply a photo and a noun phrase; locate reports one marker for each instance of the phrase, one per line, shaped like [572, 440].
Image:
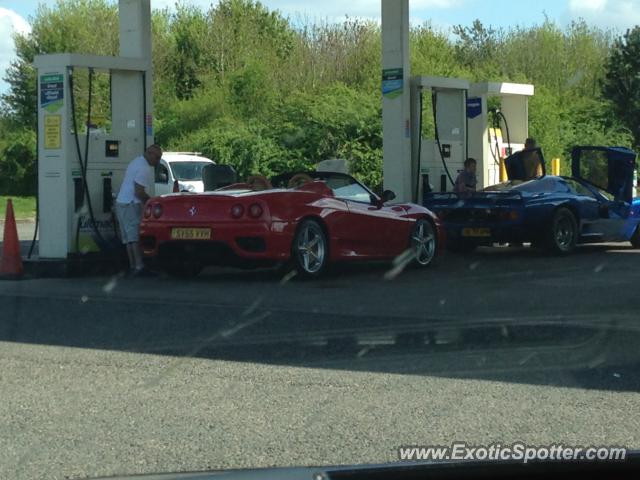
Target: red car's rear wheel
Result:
[310, 249]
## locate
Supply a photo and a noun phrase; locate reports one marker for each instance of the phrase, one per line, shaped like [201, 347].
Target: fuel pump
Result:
[81, 166]
[496, 132]
[439, 159]
[82, 158]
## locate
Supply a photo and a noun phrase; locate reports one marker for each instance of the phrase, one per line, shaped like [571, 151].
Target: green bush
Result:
[176, 118]
[339, 122]
[18, 163]
[241, 146]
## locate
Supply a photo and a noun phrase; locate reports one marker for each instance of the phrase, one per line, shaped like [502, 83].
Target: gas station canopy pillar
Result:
[135, 42]
[396, 104]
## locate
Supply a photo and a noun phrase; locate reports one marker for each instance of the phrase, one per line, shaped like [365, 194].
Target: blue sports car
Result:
[594, 205]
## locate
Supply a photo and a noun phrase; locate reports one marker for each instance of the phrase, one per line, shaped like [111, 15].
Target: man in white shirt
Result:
[130, 202]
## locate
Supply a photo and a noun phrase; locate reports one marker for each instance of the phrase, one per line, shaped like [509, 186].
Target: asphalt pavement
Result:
[112, 375]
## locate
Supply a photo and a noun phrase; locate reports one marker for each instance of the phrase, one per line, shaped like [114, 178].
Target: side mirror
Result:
[387, 196]
[163, 177]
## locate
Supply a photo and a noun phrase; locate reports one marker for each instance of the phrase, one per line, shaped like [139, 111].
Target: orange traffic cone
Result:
[11, 265]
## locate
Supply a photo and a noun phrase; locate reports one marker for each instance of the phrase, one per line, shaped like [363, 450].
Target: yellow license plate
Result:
[476, 232]
[190, 234]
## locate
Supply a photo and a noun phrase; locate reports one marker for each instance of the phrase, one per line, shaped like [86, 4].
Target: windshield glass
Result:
[188, 171]
[544, 184]
[605, 194]
[389, 255]
[509, 185]
[348, 189]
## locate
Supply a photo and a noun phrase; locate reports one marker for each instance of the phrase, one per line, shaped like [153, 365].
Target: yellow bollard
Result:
[555, 167]
[503, 170]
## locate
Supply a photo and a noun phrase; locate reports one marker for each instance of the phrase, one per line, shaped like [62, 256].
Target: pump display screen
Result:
[112, 148]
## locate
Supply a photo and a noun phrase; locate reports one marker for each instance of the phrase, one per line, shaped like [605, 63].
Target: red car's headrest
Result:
[317, 186]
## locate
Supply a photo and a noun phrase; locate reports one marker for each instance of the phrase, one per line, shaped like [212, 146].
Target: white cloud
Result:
[587, 5]
[620, 14]
[434, 3]
[10, 23]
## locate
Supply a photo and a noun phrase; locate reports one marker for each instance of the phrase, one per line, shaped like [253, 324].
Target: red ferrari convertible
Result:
[306, 219]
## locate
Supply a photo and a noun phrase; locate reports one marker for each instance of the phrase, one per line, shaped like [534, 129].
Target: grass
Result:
[23, 207]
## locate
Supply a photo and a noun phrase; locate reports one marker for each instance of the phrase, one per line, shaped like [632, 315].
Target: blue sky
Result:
[616, 14]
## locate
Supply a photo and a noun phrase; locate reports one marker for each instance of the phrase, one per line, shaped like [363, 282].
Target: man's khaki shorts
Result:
[129, 218]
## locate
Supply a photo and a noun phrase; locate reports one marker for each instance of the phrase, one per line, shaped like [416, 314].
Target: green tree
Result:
[622, 82]
[479, 48]
[329, 53]
[58, 29]
[189, 27]
[243, 30]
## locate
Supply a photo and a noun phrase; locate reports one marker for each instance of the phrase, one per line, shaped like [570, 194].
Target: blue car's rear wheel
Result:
[635, 238]
[562, 233]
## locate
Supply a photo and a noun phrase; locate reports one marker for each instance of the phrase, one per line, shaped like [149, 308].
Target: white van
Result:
[185, 167]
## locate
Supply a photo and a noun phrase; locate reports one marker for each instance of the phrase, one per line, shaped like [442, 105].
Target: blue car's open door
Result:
[608, 168]
[525, 165]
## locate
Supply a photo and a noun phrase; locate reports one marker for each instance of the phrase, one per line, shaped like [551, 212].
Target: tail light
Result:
[237, 211]
[147, 211]
[255, 210]
[509, 215]
[176, 186]
[157, 210]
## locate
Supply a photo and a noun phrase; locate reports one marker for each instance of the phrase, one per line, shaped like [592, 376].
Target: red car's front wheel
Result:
[424, 242]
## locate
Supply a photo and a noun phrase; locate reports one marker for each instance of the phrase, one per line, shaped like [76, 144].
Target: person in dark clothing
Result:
[467, 182]
[531, 160]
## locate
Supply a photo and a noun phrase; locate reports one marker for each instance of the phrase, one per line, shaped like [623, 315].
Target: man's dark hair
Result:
[530, 143]
[470, 161]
